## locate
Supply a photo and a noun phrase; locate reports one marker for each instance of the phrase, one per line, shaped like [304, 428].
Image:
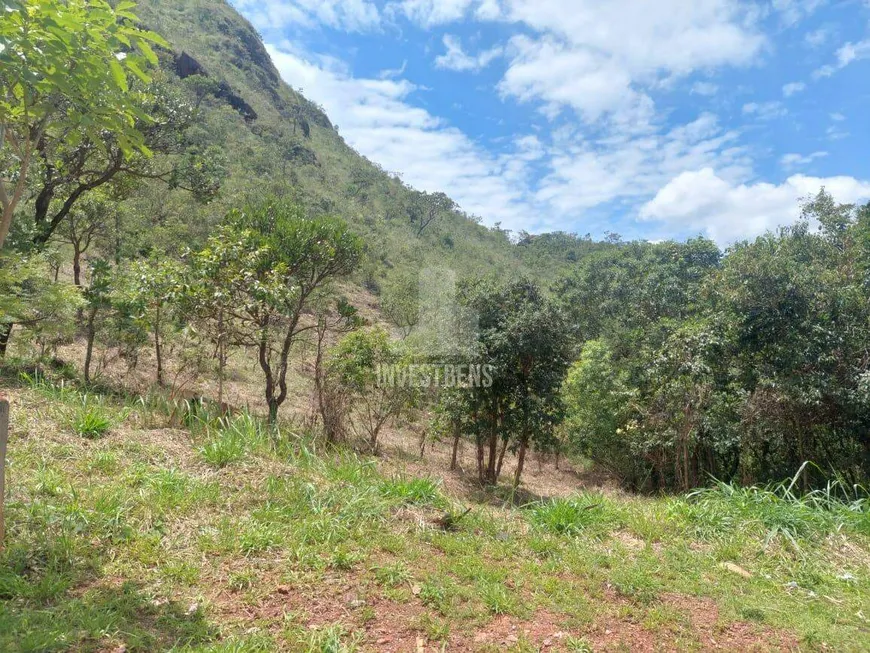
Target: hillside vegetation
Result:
[265, 396]
[130, 532]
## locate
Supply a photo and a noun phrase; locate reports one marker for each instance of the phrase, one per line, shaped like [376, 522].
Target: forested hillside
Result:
[264, 395]
[288, 145]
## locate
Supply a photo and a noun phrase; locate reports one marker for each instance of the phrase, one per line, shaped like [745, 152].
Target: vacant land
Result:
[136, 526]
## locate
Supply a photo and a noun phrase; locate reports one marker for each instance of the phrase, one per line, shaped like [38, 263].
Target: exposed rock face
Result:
[187, 66]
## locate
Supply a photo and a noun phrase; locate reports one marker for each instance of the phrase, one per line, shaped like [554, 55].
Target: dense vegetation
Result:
[688, 362]
[142, 272]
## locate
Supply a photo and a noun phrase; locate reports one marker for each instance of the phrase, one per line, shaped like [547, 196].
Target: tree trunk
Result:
[222, 356]
[273, 412]
[77, 265]
[492, 458]
[5, 332]
[456, 435]
[90, 349]
[5, 224]
[504, 446]
[158, 349]
[521, 460]
[480, 472]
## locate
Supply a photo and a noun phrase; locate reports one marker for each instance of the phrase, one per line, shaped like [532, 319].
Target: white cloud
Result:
[702, 201]
[585, 174]
[704, 88]
[559, 75]
[378, 119]
[792, 11]
[351, 15]
[432, 12]
[852, 52]
[792, 88]
[457, 59]
[535, 183]
[764, 110]
[793, 160]
[600, 57]
[846, 54]
[818, 37]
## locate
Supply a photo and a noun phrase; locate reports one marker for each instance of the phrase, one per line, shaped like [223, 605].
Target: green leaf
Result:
[136, 70]
[147, 51]
[118, 74]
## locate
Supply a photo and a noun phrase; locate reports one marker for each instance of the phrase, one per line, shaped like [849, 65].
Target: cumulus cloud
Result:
[455, 58]
[846, 54]
[703, 202]
[793, 160]
[432, 12]
[350, 15]
[704, 88]
[378, 118]
[600, 57]
[584, 174]
[793, 88]
[764, 110]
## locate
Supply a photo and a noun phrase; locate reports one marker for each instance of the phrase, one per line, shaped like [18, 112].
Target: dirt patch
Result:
[543, 631]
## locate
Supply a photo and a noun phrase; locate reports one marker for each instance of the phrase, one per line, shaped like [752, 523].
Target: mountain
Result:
[275, 139]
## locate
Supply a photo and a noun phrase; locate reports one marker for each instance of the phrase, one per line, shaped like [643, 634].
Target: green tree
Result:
[358, 364]
[269, 260]
[65, 70]
[98, 296]
[153, 291]
[29, 298]
[524, 337]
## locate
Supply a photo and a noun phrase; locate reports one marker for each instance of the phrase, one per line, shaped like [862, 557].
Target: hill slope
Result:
[282, 142]
[142, 535]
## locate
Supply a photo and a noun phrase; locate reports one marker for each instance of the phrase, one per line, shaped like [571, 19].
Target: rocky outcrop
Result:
[187, 66]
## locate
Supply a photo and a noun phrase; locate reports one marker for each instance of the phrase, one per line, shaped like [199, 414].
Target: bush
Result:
[223, 448]
[776, 511]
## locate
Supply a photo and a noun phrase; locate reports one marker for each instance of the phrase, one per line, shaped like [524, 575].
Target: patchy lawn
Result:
[128, 533]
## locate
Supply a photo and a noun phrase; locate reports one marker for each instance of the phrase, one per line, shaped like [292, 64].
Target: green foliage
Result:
[261, 271]
[777, 511]
[90, 420]
[357, 367]
[30, 299]
[597, 399]
[413, 491]
[524, 337]
[44, 101]
[743, 369]
[576, 516]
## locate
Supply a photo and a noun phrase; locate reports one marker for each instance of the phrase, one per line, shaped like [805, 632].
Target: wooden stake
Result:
[4, 435]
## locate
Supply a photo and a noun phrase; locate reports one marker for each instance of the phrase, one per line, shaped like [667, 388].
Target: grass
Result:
[90, 420]
[588, 514]
[227, 538]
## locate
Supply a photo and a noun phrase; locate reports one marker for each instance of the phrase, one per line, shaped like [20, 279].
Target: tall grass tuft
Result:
[777, 511]
[413, 491]
[583, 514]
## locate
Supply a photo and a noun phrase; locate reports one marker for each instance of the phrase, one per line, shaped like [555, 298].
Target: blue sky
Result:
[655, 120]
